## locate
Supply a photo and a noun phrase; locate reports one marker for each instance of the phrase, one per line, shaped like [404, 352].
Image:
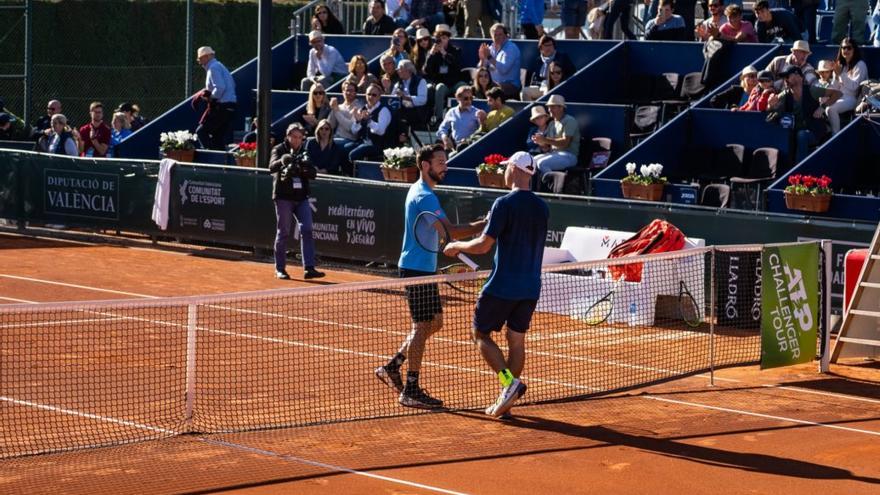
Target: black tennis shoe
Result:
[419, 398]
[311, 273]
[390, 377]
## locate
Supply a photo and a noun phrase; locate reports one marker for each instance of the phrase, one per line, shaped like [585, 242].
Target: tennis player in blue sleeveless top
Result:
[518, 224]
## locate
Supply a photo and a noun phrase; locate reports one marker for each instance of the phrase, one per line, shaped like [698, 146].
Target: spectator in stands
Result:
[738, 94]
[7, 133]
[371, 124]
[875, 19]
[498, 111]
[800, 50]
[358, 74]
[563, 136]
[483, 83]
[710, 25]
[540, 120]
[325, 22]
[736, 29]
[413, 93]
[420, 51]
[619, 10]
[121, 129]
[540, 71]
[775, 23]
[573, 17]
[60, 139]
[379, 23]
[502, 59]
[400, 46]
[825, 71]
[666, 26]
[800, 103]
[399, 11]
[323, 152]
[389, 73]
[131, 112]
[443, 68]
[531, 18]
[291, 172]
[557, 75]
[219, 94]
[343, 116]
[18, 129]
[849, 72]
[43, 125]
[805, 13]
[478, 18]
[426, 14]
[849, 15]
[95, 134]
[251, 136]
[317, 108]
[460, 122]
[326, 64]
[760, 94]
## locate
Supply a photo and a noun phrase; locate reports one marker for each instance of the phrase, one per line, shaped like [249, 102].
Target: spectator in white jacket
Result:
[849, 71]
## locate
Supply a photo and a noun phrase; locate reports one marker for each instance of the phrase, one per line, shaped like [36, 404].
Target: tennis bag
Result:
[659, 236]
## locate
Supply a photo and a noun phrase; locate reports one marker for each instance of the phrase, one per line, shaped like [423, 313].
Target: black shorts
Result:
[493, 312]
[423, 299]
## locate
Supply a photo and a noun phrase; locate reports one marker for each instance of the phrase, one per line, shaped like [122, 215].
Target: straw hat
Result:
[825, 65]
[442, 28]
[537, 111]
[423, 33]
[802, 46]
[750, 69]
[556, 100]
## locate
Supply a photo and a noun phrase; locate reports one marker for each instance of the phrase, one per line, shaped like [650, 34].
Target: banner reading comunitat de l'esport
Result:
[789, 304]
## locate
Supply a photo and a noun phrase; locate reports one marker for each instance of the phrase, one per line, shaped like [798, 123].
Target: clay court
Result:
[753, 431]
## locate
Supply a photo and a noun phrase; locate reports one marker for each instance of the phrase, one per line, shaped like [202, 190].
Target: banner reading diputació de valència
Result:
[789, 304]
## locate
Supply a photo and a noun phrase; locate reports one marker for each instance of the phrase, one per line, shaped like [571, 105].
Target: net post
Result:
[825, 359]
[190, 363]
[712, 297]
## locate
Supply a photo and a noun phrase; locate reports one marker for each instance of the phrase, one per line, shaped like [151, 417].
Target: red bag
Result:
[659, 236]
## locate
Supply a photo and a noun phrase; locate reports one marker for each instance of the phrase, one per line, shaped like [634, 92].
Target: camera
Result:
[293, 164]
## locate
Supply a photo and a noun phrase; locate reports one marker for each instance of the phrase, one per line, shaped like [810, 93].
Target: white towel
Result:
[163, 193]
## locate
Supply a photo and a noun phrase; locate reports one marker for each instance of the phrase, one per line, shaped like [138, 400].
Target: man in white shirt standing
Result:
[326, 64]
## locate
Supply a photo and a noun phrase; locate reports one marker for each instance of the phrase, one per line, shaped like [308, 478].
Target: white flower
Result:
[389, 153]
[630, 168]
[643, 170]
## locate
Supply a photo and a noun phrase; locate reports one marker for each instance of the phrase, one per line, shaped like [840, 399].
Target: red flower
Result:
[248, 146]
[809, 180]
[824, 181]
[794, 179]
[494, 159]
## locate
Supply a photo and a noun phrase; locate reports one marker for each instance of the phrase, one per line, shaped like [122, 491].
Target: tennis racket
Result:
[687, 306]
[470, 286]
[432, 235]
[599, 311]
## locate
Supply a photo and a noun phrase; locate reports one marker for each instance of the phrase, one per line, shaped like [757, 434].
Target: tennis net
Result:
[82, 375]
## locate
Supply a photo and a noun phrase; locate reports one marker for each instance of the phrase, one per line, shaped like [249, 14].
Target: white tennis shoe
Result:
[508, 396]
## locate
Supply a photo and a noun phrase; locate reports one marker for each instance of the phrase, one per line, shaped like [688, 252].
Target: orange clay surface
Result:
[781, 431]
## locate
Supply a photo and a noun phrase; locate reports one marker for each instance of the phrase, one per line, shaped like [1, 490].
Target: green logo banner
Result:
[789, 304]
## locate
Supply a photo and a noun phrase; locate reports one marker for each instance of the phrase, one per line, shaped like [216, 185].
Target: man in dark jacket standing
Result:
[292, 172]
[775, 23]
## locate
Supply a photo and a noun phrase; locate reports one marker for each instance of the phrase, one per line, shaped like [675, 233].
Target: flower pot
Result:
[181, 155]
[646, 192]
[491, 179]
[807, 202]
[408, 174]
[246, 161]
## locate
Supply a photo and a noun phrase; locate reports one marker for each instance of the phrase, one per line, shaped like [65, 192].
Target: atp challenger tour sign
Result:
[81, 194]
[789, 304]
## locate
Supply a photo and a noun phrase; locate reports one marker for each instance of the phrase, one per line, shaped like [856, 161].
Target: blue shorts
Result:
[574, 13]
[493, 312]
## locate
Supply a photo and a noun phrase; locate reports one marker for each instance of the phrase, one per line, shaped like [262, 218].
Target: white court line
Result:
[761, 415]
[819, 392]
[72, 412]
[76, 286]
[287, 457]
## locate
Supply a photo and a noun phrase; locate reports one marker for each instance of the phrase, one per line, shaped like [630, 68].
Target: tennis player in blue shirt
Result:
[423, 299]
[518, 223]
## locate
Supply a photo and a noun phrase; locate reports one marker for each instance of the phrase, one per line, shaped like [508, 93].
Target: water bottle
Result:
[633, 314]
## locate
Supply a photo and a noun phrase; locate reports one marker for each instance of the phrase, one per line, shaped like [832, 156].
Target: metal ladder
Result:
[860, 332]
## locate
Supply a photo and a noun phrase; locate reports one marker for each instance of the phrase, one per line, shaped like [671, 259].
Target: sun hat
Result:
[442, 28]
[749, 69]
[538, 111]
[825, 65]
[556, 100]
[801, 45]
[423, 33]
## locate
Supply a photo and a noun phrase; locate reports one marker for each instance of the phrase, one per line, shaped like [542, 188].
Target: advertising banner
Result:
[789, 304]
[738, 285]
[81, 194]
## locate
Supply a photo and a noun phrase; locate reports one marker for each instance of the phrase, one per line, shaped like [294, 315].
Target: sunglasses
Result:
[323, 129]
[483, 75]
[318, 93]
[466, 98]
[556, 72]
[846, 47]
